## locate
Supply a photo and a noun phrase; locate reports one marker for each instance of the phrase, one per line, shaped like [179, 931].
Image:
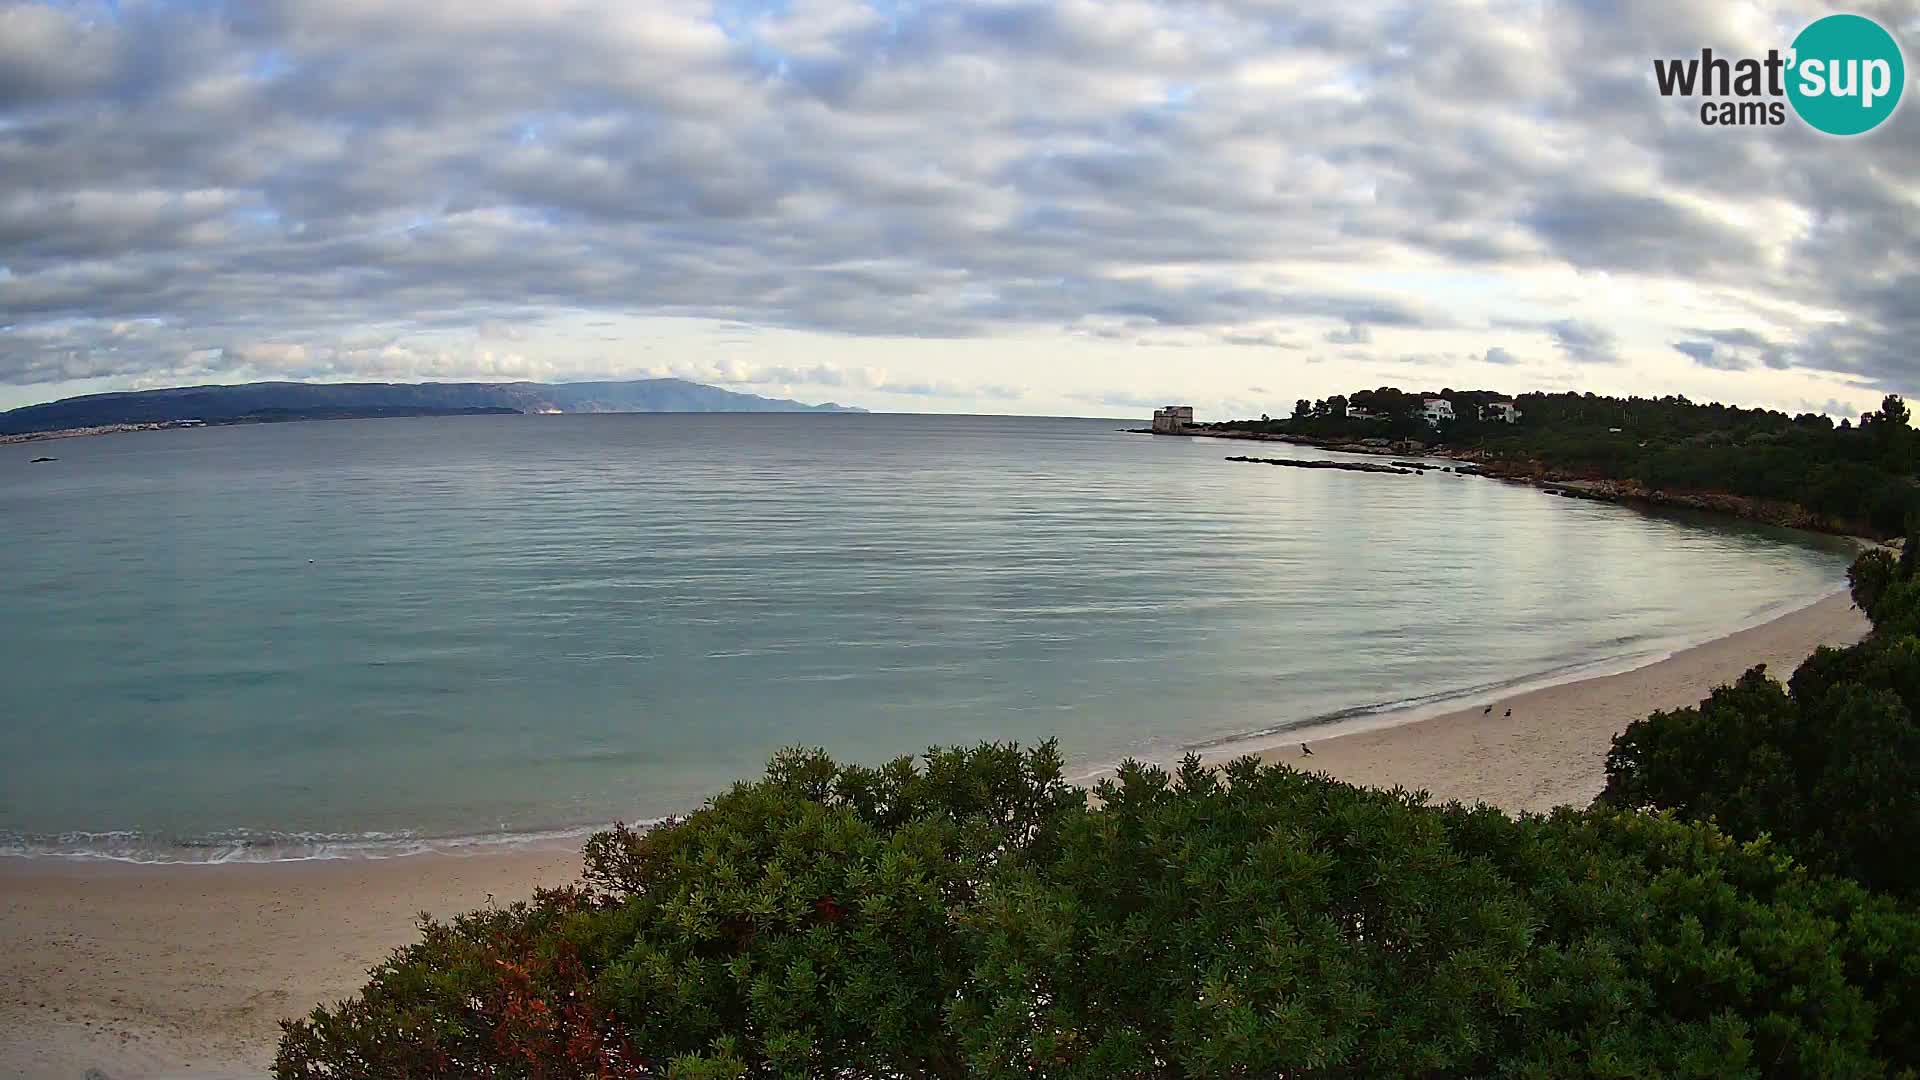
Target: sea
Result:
[382, 637]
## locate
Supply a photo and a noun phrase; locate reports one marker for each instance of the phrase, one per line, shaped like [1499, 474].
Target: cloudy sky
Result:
[1069, 207]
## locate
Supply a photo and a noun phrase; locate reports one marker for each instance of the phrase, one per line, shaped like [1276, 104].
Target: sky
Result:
[1061, 207]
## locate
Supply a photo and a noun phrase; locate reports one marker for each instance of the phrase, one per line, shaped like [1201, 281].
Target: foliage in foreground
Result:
[979, 917]
[1828, 766]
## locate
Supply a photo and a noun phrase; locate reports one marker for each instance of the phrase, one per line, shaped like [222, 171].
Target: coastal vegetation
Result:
[1858, 477]
[1827, 766]
[973, 914]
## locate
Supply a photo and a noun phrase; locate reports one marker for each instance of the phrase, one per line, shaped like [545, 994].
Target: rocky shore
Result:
[1537, 474]
[1397, 468]
[1349, 466]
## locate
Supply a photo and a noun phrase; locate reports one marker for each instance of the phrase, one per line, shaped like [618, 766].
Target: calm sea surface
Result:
[370, 636]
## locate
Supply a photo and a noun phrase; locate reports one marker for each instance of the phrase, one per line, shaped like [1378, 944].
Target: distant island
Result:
[1858, 477]
[273, 402]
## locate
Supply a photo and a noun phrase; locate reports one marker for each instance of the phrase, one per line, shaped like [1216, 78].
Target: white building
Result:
[1435, 409]
[1173, 418]
[1504, 411]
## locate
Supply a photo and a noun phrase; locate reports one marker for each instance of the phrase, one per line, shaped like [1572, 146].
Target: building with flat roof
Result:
[1504, 411]
[1172, 419]
[1436, 409]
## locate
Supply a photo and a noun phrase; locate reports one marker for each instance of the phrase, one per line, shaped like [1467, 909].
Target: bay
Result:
[366, 637]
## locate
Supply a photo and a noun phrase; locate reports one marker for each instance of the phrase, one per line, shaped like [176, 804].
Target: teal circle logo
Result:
[1846, 74]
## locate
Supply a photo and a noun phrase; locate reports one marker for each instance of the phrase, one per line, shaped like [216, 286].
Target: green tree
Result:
[1870, 576]
[1893, 412]
[1798, 470]
[1827, 766]
[975, 916]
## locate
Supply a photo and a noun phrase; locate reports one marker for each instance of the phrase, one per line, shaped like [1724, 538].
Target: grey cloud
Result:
[1582, 342]
[303, 171]
[1833, 408]
[1707, 355]
[1734, 350]
[1745, 339]
[1498, 355]
[1637, 231]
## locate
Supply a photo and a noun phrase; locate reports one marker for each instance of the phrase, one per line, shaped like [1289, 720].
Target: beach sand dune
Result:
[184, 971]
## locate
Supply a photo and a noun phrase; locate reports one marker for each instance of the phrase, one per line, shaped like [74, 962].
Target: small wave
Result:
[1642, 652]
[1619, 654]
[275, 846]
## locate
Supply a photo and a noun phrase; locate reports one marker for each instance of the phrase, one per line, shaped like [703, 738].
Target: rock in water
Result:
[1349, 466]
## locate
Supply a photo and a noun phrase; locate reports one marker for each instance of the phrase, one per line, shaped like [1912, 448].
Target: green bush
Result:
[1870, 576]
[1828, 767]
[976, 916]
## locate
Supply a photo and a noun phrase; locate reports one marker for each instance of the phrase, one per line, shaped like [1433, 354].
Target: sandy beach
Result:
[1552, 750]
[184, 971]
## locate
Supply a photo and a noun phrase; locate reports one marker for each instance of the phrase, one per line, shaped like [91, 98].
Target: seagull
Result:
[1305, 750]
[1486, 710]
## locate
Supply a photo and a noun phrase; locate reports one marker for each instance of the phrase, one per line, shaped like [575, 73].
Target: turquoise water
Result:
[373, 636]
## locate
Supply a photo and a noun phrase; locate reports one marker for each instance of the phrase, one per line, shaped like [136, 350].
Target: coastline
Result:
[176, 970]
[1534, 474]
[1552, 750]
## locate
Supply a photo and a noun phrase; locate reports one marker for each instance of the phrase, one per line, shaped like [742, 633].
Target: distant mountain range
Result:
[272, 401]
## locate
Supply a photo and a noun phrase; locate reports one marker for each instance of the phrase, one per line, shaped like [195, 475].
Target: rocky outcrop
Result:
[1346, 466]
[1770, 511]
[1557, 482]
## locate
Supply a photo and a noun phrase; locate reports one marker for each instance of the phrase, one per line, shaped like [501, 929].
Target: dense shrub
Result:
[803, 925]
[978, 917]
[1829, 766]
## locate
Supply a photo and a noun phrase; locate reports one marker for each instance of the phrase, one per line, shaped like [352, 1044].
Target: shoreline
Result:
[1532, 473]
[1552, 750]
[1420, 709]
[568, 838]
[184, 970]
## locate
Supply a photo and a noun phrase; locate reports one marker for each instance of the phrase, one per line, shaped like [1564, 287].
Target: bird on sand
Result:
[1486, 710]
[1509, 712]
[1305, 750]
